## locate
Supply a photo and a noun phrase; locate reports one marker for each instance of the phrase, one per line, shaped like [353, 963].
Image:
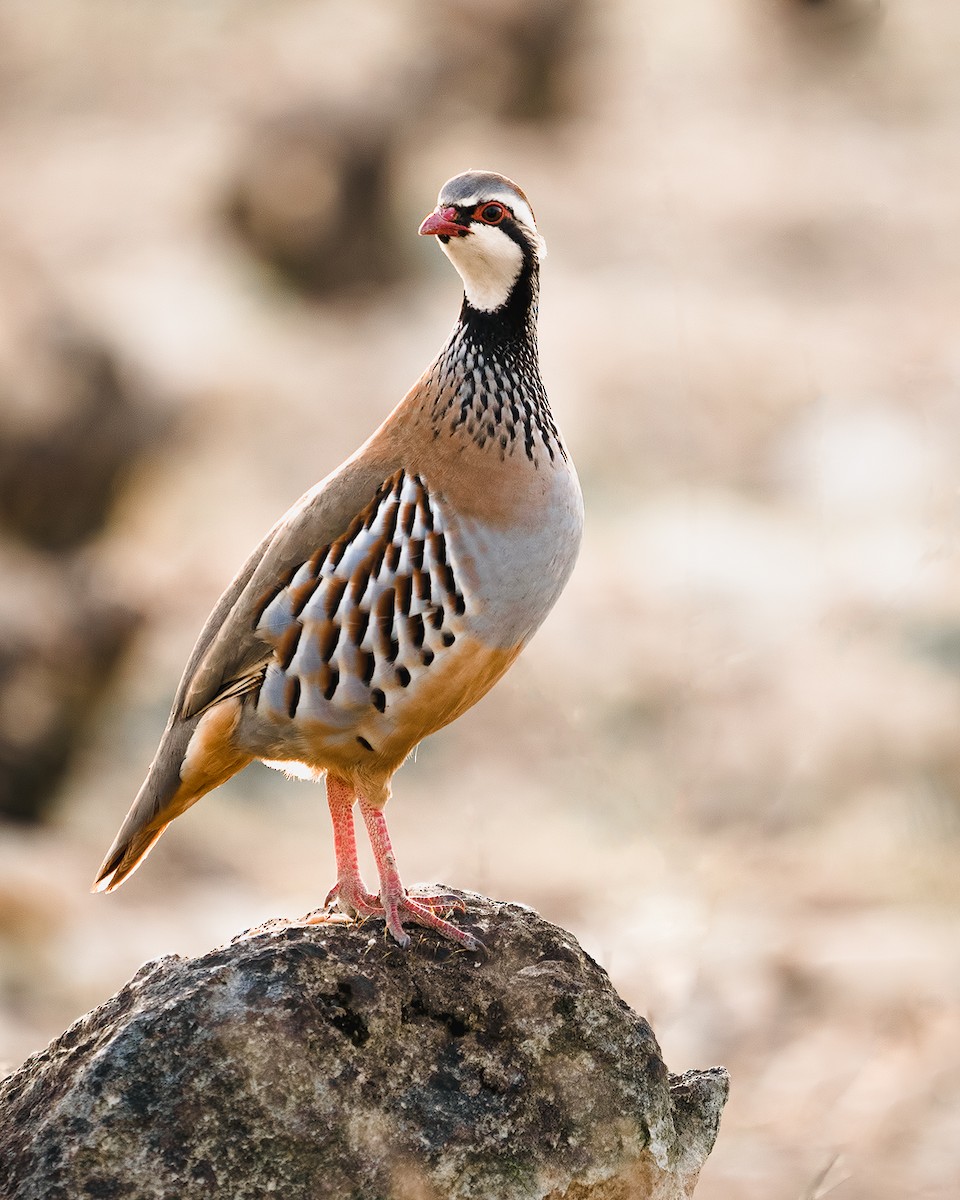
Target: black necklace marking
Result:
[487, 378]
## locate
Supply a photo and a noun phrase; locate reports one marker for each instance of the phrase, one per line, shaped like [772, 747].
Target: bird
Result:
[399, 589]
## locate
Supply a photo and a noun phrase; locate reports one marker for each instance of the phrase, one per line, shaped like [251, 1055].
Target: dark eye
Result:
[491, 214]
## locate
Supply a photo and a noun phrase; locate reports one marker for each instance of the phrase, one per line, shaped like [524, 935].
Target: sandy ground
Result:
[729, 761]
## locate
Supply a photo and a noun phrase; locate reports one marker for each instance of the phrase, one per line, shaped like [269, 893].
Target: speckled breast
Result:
[394, 629]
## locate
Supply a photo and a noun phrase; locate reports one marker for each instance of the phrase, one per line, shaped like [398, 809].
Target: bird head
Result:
[485, 226]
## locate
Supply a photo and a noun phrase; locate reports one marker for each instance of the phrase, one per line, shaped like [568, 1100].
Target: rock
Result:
[75, 423]
[312, 197]
[72, 436]
[314, 193]
[63, 637]
[512, 62]
[323, 1061]
[50, 689]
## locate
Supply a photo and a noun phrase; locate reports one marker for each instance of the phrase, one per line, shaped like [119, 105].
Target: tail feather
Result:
[195, 756]
[159, 800]
[124, 858]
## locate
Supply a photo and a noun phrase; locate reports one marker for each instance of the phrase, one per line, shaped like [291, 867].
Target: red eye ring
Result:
[491, 213]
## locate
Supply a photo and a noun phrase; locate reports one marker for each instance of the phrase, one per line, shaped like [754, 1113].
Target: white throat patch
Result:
[488, 262]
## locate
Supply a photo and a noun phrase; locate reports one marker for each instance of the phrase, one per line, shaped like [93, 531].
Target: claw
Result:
[352, 898]
[444, 901]
[421, 909]
[407, 907]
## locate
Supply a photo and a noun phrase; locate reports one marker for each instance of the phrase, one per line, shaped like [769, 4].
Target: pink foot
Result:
[419, 911]
[442, 901]
[394, 903]
[352, 898]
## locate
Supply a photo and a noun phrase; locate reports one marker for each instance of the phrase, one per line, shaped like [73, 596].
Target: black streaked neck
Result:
[487, 383]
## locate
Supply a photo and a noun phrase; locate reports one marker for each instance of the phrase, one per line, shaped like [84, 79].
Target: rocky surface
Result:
[323, 1061]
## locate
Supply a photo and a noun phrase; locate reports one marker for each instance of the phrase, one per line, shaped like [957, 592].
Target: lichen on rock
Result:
[313, 1061]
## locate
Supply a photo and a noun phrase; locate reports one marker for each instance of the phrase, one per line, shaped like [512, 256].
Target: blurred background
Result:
[730, 762]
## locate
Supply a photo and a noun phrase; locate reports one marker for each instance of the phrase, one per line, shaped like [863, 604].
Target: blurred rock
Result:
[313, 197]
[60, 644]
[513, 61]
[64, 455]
[72, 427]
[315, 1061]
[314, 194]
[825, 33]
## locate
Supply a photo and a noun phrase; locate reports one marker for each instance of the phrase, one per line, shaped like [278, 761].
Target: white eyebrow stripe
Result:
[520, 209]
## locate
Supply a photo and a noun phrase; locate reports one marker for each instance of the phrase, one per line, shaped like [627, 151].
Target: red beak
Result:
[441, 223]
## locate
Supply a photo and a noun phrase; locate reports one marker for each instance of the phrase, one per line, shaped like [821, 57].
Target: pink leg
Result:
[349, 890]
[351, 893]
[395, 902]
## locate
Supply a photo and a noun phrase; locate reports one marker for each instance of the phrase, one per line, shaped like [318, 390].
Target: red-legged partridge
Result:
[399, 589]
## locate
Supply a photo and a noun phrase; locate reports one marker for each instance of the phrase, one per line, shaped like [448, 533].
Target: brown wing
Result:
[229, 656]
